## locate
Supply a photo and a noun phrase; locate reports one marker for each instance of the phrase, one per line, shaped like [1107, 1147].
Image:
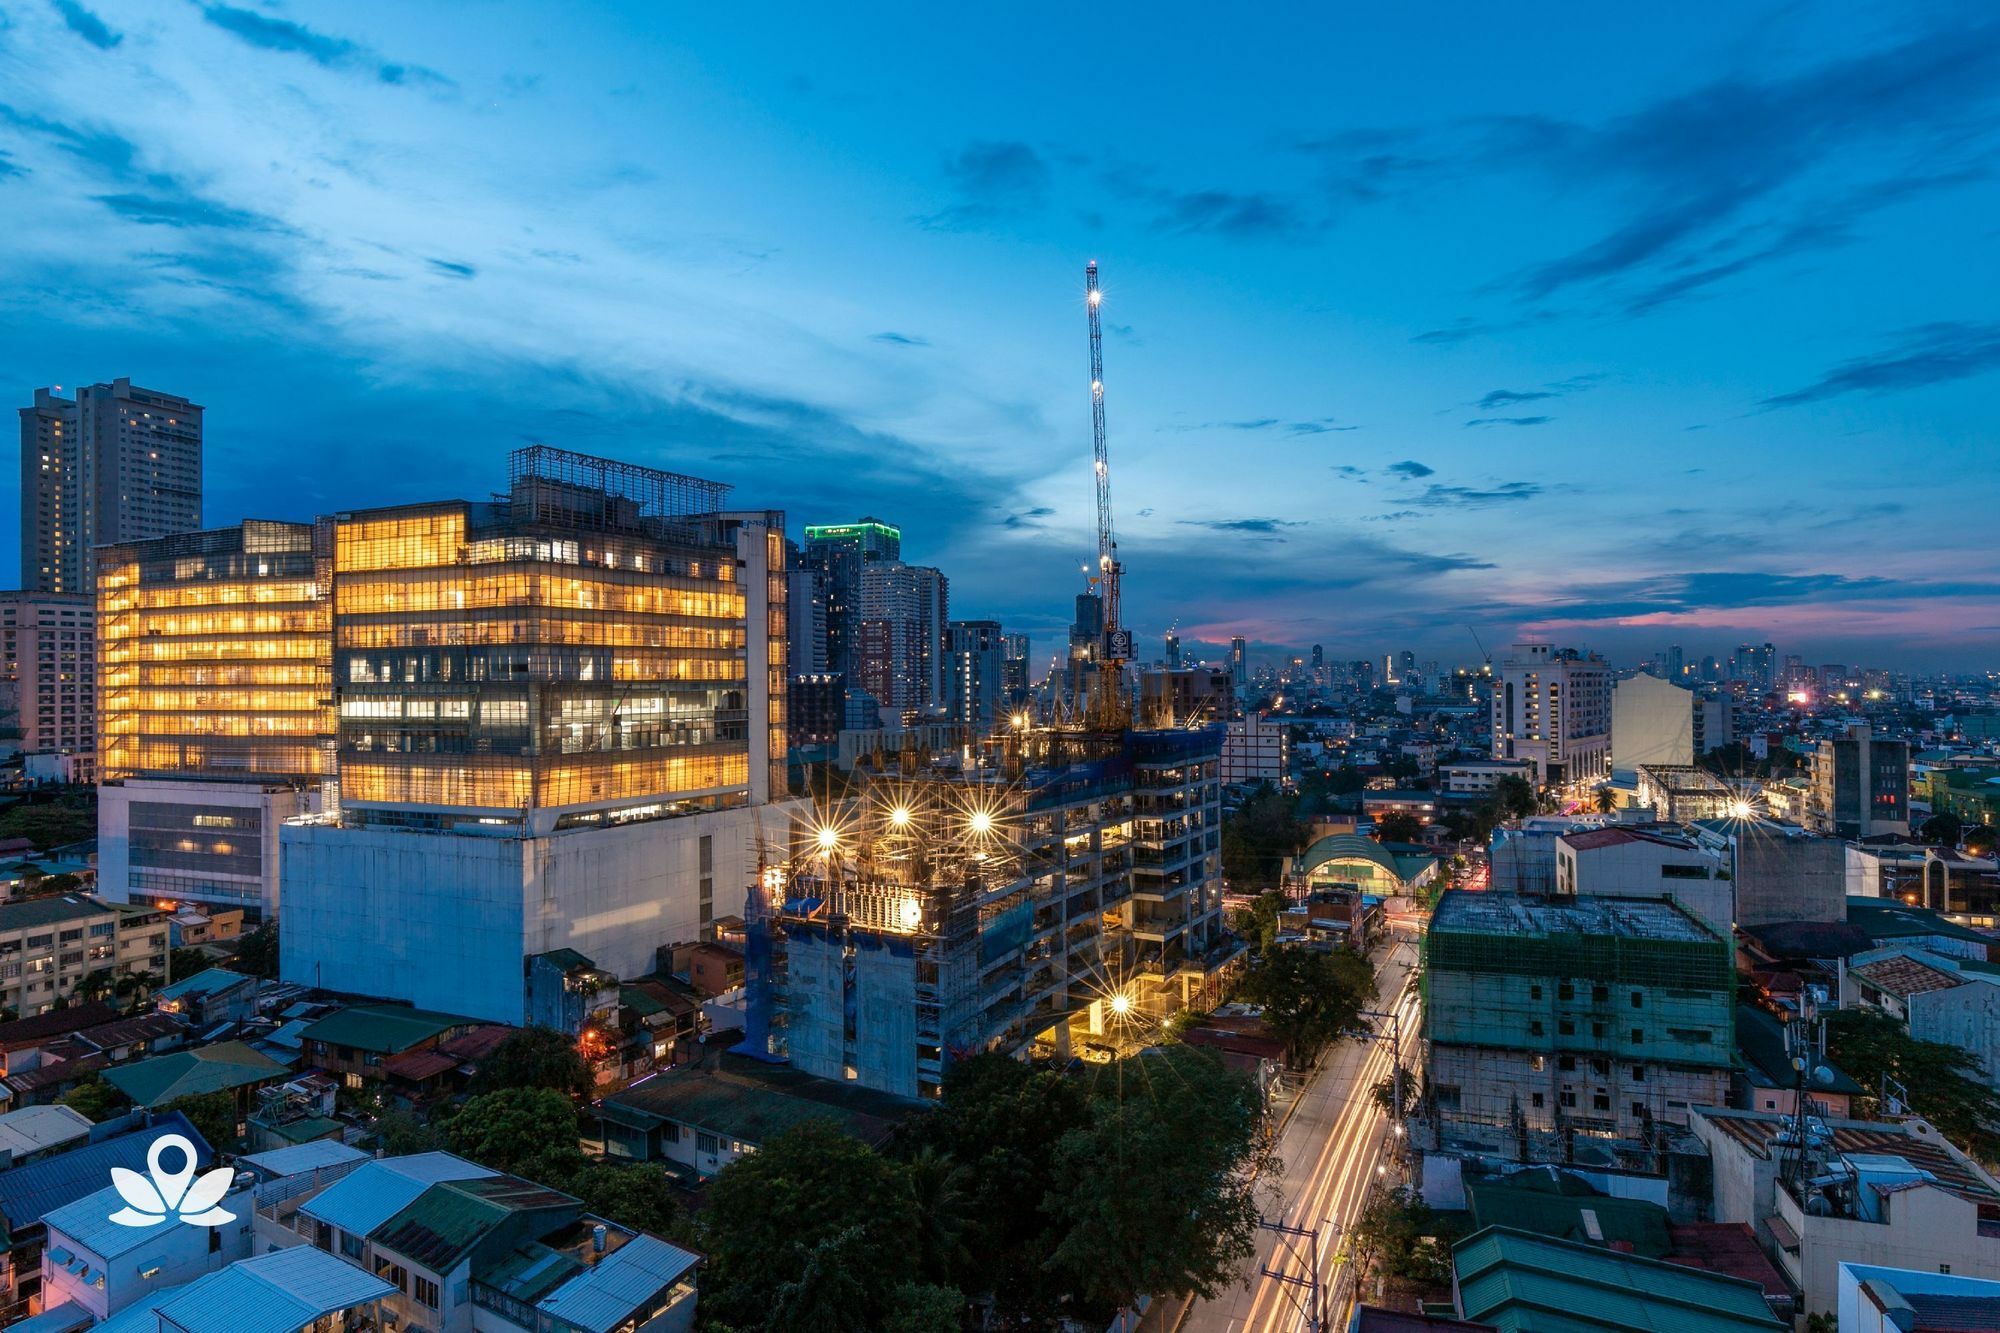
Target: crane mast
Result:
[1116, 649]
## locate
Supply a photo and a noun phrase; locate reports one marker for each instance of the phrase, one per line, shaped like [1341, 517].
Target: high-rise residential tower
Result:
[1553, 709]
[840, 552]
[48, 678]
[559, 712]
[900, 656]
[114, 464]
[216, 723]
[976, 656]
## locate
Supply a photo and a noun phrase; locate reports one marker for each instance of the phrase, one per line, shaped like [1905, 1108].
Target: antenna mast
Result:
[1116, 649]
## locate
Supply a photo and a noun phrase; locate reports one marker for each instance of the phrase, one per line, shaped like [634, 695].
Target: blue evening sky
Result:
[1629, 325]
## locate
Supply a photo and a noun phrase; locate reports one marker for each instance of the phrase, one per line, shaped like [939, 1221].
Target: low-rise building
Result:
[104, 1266]
[461, 1246]
[1348, 860]
[699, 1118]
[214, 995]
[1516, 1280]
[37, 1131]
[1479, 777]
[353, 1043]
[300, 1288]
[226, 1066]
[1597, 1016]
[1620, 861]
[1874, 1299]
[48, 946]
[1766, 1081]
[1681, 793]
[1893, 1195]
[30, 1193]
[1938, 998]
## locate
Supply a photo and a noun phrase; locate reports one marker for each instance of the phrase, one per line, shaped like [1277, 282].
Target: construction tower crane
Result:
[1110, 709]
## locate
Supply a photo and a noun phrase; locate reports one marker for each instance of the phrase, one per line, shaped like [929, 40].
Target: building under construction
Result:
[1589, 1016]
[1051, 888]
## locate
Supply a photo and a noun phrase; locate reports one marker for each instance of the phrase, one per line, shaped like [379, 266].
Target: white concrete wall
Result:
[444, 920]
[1965, 1016]
[1652, 722]
[114, 831]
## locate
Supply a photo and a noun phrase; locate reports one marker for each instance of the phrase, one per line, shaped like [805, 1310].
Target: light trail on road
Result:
[1326, 1182]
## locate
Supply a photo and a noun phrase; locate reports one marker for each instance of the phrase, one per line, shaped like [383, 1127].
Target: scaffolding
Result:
[560, 488]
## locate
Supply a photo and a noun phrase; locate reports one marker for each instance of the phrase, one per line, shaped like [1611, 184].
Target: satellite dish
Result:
[1823, 1075]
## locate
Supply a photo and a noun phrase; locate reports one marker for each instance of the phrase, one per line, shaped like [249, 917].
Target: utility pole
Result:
[1312, 1304]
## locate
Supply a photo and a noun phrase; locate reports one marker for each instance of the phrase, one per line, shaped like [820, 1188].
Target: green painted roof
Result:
[441, 1225]
[31, 912]
[1524, 1283]
[1534, 1201]
[217, 1068]
[1405, 866]
[385, 1028]
[206, 982]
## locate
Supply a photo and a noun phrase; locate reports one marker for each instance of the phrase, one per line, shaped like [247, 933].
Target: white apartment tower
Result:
[1552, 708]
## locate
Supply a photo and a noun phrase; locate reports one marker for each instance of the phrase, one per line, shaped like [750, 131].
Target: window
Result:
[425, 1290]
[1638, 1073]
[1565, 992]
[1600, 994]
[670, 1133]
[1569, 1097]
[1538, 1063]
[1638, 1036]
[1638, 999]
[1638, 1110]
[1597, 1029]
[1538, 1100]
[1566, 1028]
[1566, 1063]
[1600, 1101]
[351, 1245]
[704, 1141]
[1535, 1028]
[392, 1273]
[1534, 992]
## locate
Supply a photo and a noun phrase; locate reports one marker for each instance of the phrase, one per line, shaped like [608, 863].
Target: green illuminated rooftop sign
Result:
[835, 531]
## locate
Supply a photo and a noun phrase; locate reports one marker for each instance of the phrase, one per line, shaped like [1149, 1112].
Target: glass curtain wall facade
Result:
[214, 655]
[579, 648]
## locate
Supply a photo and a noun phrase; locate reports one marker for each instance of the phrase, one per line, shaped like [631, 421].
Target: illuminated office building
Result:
[559, 712]
[215, 723]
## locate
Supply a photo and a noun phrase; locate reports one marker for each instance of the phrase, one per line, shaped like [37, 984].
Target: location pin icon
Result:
[172, 1187]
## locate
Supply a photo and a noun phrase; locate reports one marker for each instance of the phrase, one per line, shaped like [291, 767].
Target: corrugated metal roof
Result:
[302, 1157]
[207, 982]
[443, 1223]
[1519, 1282]
[274, 1293]
[29, 1192]
[373, 1193]
[383, 1028]
[217, 1068]
[65, 1318]
[620, 1285]
[88, 1223]
[35, 1129]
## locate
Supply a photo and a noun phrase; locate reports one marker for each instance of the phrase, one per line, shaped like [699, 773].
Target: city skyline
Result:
[1671, 348]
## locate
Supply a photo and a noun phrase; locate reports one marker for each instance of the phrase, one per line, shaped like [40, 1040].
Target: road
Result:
[1331, 1146]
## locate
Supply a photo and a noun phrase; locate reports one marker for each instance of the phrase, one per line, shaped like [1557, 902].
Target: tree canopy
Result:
[1400, 1236]
[1309, 996]
[257, 952]
[1397, 826]
[812, 1231]
[57, 823]
[1258, 836]
[1946, 1085]
[1155, 1192]
[535, 1058]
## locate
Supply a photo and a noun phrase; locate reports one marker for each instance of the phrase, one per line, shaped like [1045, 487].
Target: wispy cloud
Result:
[1932, 354]
[1509, 397]
[452, 268]
[87, 25]
[1410, 468]
[1509, 421]
[1261, 527]
[1437, 496]
[901, 339]
[994, 180]
[324, 50]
